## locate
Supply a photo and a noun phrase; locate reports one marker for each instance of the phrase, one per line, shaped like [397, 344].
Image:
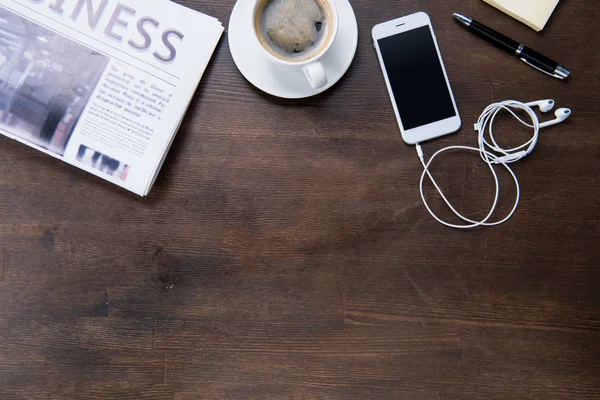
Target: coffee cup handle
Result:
[315, 73]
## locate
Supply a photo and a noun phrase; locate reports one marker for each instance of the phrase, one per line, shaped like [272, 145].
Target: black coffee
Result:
[293, 29]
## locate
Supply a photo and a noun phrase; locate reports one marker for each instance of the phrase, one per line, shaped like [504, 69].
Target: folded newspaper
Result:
[101, 84]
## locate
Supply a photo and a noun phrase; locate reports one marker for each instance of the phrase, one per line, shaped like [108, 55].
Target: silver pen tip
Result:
[462, 19]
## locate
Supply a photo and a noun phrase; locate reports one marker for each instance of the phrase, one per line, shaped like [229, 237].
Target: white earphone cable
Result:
[492, 154]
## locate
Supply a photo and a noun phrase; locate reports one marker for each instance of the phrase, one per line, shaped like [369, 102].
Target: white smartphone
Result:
[416, 78]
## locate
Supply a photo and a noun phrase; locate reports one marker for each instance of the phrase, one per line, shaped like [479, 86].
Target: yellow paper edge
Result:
[518, 17]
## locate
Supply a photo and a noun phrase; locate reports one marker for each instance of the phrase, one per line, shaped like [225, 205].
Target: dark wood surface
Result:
[284, 252]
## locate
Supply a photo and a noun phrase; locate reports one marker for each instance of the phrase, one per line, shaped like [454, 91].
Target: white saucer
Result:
[279, 80]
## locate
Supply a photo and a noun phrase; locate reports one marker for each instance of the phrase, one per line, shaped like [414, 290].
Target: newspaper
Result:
[101, 84]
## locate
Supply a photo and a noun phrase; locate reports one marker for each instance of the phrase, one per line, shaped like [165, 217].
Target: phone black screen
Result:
[416, 77]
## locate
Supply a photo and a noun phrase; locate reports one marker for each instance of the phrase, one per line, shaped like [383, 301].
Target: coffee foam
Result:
[293, 29]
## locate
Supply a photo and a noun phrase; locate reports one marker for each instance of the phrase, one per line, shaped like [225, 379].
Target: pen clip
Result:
[541, 70]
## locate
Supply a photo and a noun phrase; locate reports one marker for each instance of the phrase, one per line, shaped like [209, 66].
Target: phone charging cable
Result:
[492, 154]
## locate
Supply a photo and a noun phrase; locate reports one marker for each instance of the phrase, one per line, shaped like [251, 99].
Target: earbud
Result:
[561, 115]
[544, 105]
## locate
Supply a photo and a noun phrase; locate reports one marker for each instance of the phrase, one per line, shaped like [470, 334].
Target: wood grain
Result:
[284, 252]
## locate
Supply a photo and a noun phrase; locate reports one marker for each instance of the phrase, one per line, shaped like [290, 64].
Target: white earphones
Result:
[493, 154]
[545, 106]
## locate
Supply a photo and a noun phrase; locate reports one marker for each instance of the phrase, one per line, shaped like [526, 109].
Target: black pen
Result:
[525, 54]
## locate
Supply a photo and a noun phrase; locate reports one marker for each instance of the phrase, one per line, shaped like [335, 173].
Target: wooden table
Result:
[284, 252]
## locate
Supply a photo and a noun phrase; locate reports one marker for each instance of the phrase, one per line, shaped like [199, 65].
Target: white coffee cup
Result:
[310, 62]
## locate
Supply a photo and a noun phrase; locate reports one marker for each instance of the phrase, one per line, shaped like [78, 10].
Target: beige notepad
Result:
[534, 13]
